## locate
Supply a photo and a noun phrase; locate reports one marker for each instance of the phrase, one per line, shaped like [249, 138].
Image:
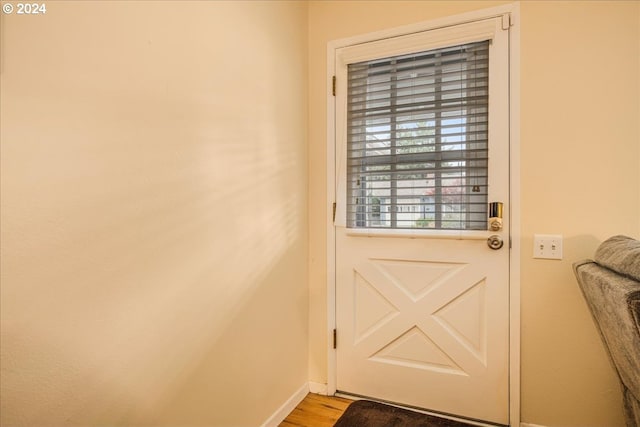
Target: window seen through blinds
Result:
[417, 140]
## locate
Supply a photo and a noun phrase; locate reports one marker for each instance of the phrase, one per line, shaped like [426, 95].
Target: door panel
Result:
[416, 328]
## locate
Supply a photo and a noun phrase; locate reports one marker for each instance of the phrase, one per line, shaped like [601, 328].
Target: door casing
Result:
[513, 11]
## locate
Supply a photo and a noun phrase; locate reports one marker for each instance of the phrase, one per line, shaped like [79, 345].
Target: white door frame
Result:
[514, 183]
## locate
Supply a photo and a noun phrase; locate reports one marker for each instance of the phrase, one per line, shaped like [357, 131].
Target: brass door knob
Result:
[495, 242]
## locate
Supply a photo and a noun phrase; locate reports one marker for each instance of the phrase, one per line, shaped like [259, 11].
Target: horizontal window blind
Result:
[417, 140]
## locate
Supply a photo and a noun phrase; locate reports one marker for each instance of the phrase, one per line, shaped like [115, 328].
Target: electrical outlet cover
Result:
[547, 246]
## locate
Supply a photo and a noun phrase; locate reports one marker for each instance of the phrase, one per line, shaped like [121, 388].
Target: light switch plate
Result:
[547, 246]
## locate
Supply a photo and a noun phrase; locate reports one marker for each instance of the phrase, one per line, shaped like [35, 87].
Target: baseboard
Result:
[277, 417]
[318, 388]
[530, 425]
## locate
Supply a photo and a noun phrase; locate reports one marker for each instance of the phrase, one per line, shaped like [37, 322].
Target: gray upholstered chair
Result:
[611, 286]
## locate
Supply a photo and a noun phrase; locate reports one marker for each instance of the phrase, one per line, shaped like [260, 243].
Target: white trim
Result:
[514, 263]
[317, 388]
[283, 411]
[516, 235]
[331, 238]
[420, 234]
[448, 21]
[434, 38]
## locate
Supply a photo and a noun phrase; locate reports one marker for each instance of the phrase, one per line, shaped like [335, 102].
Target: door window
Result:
[417, 140]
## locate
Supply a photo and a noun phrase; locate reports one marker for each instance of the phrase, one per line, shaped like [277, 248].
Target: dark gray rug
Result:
[364, 413]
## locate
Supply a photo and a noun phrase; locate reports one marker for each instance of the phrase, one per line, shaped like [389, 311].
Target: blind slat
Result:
[413, 62]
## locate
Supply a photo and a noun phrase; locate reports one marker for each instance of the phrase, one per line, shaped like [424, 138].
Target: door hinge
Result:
[335, 339]
[334, 211]
[333, 86]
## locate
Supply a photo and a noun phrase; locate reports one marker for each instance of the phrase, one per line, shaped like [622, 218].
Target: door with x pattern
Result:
[422, 299]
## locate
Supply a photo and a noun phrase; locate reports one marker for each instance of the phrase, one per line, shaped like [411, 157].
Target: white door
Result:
[422, 301]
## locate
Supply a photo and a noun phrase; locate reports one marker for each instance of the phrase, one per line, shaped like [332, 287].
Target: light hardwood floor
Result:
[316, 411]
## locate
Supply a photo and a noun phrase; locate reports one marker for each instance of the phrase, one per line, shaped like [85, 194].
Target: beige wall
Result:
[154, 213]
[580, 155]
[580, 111]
